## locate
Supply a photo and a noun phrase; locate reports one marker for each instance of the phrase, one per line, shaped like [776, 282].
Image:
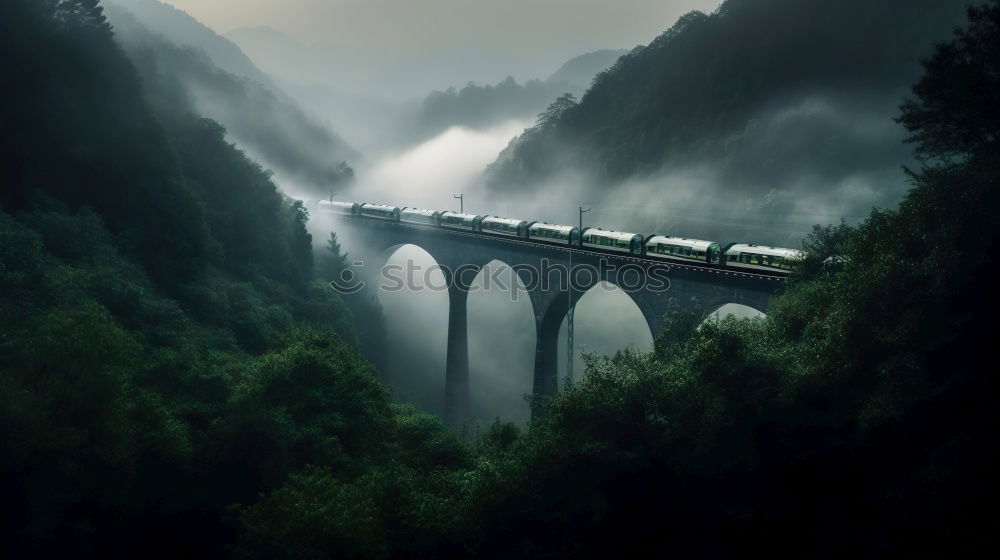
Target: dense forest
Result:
[176, 380]
[772, 93]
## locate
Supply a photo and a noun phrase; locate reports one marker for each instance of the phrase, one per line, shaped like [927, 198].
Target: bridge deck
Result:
[585, 251]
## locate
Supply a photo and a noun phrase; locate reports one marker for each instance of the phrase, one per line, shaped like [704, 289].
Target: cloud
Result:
[430, 173]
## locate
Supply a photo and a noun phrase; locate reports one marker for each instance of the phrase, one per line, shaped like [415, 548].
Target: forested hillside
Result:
[177, 381]
[166, 350]
[770, 93]
[183, 63]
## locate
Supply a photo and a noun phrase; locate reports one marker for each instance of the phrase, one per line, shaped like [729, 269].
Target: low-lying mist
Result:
[429, 174]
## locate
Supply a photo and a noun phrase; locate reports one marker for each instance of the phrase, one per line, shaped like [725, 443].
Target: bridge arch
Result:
[421, 268]
[416, 324]
[607, 319]
[737, 310]
[501, 344]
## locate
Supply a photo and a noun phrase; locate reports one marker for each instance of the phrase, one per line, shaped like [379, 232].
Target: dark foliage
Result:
[964, 73]
[166, 354]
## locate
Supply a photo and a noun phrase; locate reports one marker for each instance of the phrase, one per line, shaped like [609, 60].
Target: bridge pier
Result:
[546, 376]
[456, 379]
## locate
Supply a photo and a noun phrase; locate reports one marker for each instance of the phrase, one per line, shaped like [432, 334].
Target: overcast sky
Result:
[531, 34]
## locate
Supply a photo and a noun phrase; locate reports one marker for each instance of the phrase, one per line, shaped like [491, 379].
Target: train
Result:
[759, 259]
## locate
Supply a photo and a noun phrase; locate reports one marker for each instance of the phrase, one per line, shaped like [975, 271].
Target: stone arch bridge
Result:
[554, 277]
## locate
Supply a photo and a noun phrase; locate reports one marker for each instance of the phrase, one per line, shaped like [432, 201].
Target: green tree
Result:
[954, 114]
[555, 110]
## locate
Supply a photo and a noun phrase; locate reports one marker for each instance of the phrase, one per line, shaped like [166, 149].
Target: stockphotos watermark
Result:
[410, 276]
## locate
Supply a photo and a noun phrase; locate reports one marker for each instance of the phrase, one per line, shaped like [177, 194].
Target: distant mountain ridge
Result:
[478, 106]
[376, 124]
[263, 33]
[583, 69]
[767, 91]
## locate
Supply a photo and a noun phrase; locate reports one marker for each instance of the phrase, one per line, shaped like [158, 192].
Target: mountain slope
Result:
[767, 92]
[185, 31]
[305, 155]
[581, 70]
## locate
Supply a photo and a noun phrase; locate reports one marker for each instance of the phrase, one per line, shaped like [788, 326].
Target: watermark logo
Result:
[411, 276]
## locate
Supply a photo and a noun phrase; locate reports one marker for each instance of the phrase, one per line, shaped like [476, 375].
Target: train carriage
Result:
[762, 258]
[738, 256]
[420, 216]
[463, 222]
[552, 233]
[380, 211]
[337, 207]
[617, 241]
[510, 227]
[683, 249]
